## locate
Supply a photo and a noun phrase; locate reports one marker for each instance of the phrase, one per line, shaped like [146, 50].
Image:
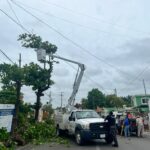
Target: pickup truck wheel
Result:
[58, 131]
[79, 139]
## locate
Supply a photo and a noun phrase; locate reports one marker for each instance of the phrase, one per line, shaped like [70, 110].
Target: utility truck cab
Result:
[85, 125]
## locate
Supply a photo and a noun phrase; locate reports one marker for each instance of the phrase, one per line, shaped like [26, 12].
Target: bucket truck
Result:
[86, 124]
[83, 124]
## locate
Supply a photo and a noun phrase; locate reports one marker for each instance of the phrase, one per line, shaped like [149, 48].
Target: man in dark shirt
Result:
[112, 128]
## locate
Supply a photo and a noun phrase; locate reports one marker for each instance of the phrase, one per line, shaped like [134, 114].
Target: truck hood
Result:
[90, 120]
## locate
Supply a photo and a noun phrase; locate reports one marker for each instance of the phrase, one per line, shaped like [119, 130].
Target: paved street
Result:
[124, 144]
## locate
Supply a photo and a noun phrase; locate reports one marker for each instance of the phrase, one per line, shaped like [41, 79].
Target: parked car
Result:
[133, 127]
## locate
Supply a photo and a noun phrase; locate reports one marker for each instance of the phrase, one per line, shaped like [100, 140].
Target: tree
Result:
[34, 41]
[78, 105]
[95, 98]
[127, 101]
[114, 101]
[84, 103]
[7, 96]
[35, 76]
[12, 78]
[39, 79]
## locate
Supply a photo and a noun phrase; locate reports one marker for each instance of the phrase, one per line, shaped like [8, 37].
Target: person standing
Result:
[146, 123]
[126, 125]
[140, 126]
[112, 128]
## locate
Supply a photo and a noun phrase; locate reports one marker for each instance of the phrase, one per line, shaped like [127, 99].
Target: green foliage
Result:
[95, 98]
[4, 135]
[10, 74]
[10, 147]
[6, 142]
[114, 101]
[24, 112]
[37, 77]
[84, 103]
[7, 96]
[127, 101]
[3, 147]
[34, 41]
[39, 132]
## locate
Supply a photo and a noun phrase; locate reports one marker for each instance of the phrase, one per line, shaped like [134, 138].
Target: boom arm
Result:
[76, 82]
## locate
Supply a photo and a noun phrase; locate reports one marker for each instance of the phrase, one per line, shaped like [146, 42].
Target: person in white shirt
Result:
[140, 126]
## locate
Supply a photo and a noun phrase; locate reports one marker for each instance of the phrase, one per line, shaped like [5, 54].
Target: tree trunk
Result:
[17, 104]
[37, 107]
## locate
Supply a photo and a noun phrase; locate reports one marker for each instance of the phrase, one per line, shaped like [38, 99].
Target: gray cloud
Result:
[112, 41]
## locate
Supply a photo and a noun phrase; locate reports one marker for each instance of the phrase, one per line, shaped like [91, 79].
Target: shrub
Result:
[39, 132]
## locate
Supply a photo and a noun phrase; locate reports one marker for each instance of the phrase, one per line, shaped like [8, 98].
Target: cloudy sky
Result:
[111, 37]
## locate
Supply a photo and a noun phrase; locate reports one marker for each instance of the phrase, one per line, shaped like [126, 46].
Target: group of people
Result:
[125, 125]
[128, 123]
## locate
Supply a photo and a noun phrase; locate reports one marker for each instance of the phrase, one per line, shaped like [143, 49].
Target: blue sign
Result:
[6, 116]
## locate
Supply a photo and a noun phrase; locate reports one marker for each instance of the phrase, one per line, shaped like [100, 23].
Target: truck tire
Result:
[79, 138]
[59, 132]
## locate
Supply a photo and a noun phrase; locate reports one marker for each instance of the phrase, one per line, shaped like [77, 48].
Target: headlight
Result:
[85, 126]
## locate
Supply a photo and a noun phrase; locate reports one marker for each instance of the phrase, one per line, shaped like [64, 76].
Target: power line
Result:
[137, 77]
[68, 39]
[6, 56]
[74, 23]
[14, 12]
[65, 37]
[91, 17]
[87, 77]
[14, 21]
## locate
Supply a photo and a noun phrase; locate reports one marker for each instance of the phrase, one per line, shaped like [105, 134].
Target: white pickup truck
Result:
[85, 125]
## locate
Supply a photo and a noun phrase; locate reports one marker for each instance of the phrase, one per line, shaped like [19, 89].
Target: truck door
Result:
[71, 123]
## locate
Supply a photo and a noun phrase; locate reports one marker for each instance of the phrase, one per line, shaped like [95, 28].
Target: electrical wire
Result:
[18, 23]
[74, 23]
[137, 77]
[91, 17]
[24, 29]
[7, 56]
[68, 39]
[13, 12]
[100, 59]
[87, 77]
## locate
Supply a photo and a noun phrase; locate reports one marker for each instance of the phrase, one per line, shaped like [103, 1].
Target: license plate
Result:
[102, 136]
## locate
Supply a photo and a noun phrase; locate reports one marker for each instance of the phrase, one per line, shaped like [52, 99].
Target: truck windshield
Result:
[86, 114]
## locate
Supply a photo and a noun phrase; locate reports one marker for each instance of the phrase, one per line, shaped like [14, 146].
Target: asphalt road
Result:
[124, 144]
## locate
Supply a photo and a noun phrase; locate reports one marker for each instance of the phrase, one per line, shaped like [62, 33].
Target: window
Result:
[86, 114]
[144, 100]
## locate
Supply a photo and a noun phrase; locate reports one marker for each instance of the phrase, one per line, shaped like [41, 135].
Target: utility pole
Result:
[61, 100]
[115, 91]
[19, 60]
[144, 87]
[50, 98]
